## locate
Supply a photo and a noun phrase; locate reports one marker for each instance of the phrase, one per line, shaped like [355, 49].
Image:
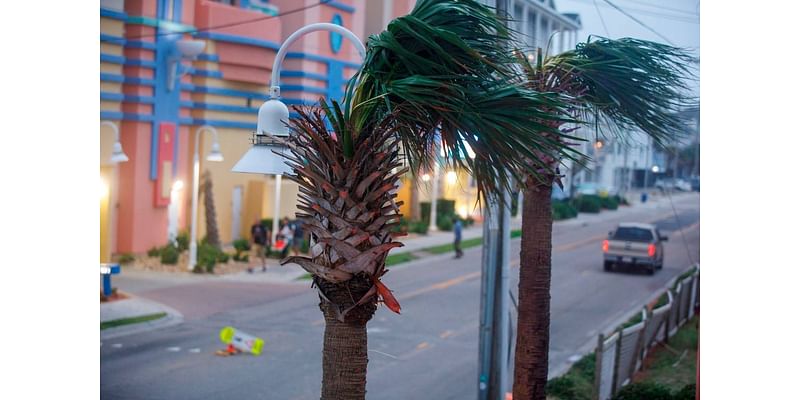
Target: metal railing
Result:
[620, 355]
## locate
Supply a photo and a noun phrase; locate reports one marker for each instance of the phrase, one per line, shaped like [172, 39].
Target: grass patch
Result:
[399, 258]
[576, 384]
[129, 321]
[447, 248]
[669, 366]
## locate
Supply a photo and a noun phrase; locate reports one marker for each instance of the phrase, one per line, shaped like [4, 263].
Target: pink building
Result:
[158, 97]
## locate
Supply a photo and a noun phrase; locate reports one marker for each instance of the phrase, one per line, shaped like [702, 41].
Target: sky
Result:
[677, 20]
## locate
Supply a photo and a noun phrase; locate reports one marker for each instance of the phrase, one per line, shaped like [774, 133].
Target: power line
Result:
[208, 28]
[601, 18]
[642, 3]
[639, 22]
[679, 18]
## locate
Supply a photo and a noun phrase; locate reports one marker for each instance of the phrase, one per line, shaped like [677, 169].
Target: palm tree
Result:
[444, 74]
[212, 230]
[625, 84]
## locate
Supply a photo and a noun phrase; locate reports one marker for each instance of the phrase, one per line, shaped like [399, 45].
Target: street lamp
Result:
[214, 155]
[117, 155]
[271, 131]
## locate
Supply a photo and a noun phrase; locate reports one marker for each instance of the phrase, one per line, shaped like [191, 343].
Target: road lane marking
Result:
[195, 350]
[116, 345]
[174, 349]
[446, 334]
[422, 345]
[441, 285]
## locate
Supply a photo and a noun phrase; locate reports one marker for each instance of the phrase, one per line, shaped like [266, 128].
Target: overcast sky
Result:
[677, 20]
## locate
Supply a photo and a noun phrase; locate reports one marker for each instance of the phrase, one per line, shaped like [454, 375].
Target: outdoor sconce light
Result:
[271, 131]
[117, 155]
[181, 50]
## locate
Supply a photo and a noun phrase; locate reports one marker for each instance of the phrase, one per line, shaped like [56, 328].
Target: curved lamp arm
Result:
[113, 127]
[275, 89]
[197, 137]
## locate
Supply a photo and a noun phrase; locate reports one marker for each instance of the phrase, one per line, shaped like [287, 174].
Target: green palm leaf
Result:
[445, 72]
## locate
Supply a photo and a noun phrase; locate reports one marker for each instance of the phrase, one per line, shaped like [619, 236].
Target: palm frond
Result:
[624, 84]
[446, 71]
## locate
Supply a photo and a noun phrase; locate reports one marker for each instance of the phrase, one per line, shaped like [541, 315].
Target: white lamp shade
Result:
[272, 118]
[215, 154]
[261, 159]
[117, 155]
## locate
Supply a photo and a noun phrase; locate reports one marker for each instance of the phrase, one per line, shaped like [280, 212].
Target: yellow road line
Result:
[441, 285]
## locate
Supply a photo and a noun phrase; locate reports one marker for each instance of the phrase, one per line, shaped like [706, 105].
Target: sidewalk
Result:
[289, 274]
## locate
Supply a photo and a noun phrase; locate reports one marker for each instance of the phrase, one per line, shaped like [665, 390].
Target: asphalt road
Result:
[428, 352]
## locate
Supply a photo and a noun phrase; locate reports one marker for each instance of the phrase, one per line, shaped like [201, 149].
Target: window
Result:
[630, 234]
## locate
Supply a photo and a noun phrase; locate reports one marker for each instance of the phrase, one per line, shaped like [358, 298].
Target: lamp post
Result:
[273, 116]
[117, 155]
[214, 155]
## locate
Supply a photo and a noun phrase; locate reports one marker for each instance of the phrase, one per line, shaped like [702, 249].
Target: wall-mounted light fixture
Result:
[181, 50]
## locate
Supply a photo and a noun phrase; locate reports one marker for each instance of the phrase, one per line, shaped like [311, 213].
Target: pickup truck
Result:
[636, 245]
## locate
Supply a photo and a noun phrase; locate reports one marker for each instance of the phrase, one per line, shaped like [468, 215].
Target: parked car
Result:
[636, 245]
[683, 185]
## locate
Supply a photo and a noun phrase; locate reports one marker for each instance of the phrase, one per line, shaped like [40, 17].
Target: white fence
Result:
[620, 355]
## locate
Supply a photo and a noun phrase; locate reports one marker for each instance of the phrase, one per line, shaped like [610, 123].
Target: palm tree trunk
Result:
[533, 332]
[344, 346]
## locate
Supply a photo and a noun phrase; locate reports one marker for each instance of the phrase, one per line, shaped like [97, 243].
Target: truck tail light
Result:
[605, 246]
[651, 250]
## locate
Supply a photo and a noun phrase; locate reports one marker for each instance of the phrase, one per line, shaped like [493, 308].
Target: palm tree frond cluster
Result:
[447, 75]
[348, 205]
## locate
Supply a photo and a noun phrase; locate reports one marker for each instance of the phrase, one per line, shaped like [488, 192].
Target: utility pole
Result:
[494, 339]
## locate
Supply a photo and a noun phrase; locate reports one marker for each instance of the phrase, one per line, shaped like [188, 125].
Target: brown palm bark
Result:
[212, 230]
[344, 348]
[533, 330]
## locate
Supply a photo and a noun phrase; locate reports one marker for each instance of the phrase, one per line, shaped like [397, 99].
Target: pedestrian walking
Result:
[287, 233]
[298, 236]
[259, 236]
[457, 233]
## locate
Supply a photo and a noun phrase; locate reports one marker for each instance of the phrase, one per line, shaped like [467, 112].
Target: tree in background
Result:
[624, 84]
[212, 230]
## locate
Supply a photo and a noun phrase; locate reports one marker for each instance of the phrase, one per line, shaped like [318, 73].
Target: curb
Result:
[172, 318]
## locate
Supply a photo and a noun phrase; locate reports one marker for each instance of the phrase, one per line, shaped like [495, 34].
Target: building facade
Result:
[159, 95]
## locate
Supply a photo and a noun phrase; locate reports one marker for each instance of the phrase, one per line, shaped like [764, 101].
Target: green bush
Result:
[443, 207]
[469, 221]
[241, 257]
[183, 241]
[688, 392]
[154, 252]
[126, 258]
[445, 222]
[241, 245]
[420, 227]
[588, 204]
[208, 256]
[565, 387]
[402, 226]
[644, 390]
[223, 257]
[169, 254]
[609, 203]
[267, 223]
[563, 210]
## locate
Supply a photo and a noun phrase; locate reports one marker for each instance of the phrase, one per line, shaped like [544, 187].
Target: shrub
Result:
[420, 227]
[241, 245]
[563, 210]
[587, 204]
[183, 241]
[469, 221]
[241, 257]
[223, 257]
[443, 207]
[401, 227]
[688, 392]
[565, 387]
[445, 222]
[609, 203]
[169, 254]
[208, 256]
[154, 252]
[126, 258]
[267, 223]
[644, 390]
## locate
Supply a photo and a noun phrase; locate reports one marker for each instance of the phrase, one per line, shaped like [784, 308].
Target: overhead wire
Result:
[601, 18]
[639, 22]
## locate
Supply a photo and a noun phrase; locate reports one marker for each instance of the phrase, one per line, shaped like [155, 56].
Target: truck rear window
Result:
[633, 235]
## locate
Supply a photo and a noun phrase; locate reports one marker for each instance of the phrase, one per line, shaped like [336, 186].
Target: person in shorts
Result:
[259, 236]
